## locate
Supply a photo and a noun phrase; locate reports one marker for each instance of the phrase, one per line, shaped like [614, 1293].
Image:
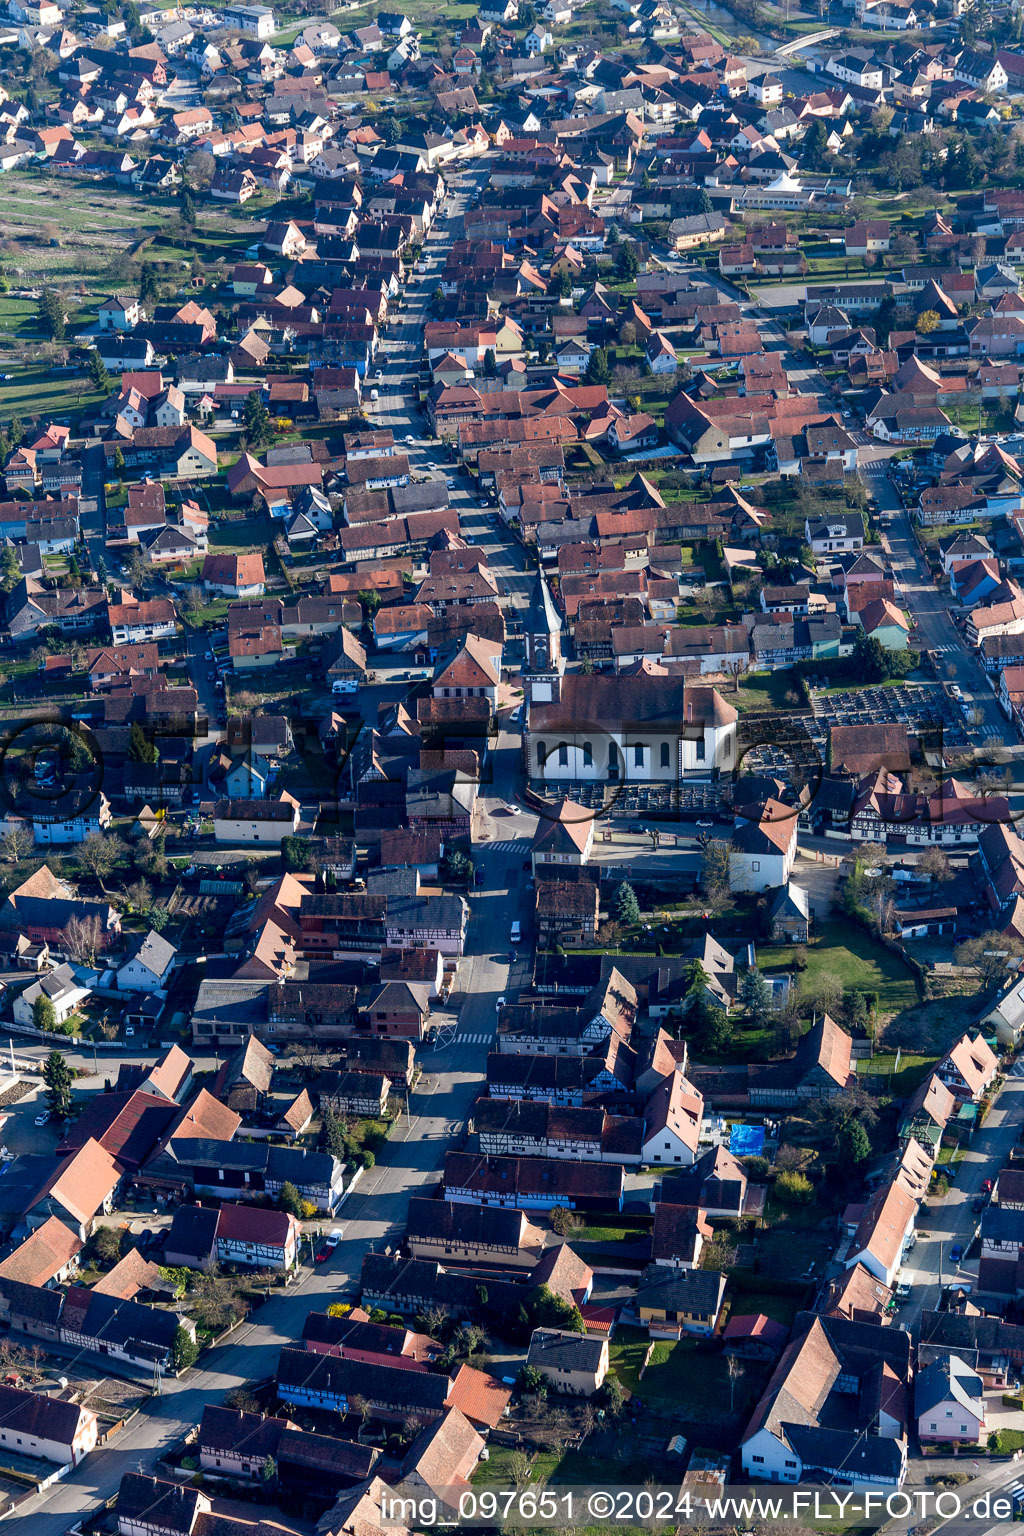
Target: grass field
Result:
[856, 960]
[681, 1377]
[765, 690]
[901, 1083]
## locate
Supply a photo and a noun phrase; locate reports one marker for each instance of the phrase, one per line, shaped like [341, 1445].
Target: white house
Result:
[672, 1121]
[61, 986]
[75, 829]
[618, 729]
[254, 20]
[762, 853]
[255, 821]
[32, 1424]
[148, 967]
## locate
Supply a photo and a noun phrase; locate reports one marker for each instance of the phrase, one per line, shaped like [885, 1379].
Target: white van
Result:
[374, 394]
[516, 933]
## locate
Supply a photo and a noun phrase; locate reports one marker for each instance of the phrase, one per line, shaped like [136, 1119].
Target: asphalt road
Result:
[452, 1075]
[935, 629]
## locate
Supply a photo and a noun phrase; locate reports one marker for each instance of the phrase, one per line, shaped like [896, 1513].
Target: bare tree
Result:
[934, 863]
[734, 1370]
[99, 854]
[15, 845]
[81, 938]
[519, 1469]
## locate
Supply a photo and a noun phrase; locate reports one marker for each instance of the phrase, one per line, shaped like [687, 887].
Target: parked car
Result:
[43, 1118]
[499, 1005]
[956, 1253]
[323, 1254]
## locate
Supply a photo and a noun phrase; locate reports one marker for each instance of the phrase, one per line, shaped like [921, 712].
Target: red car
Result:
[987, 1186]
[323, 1254]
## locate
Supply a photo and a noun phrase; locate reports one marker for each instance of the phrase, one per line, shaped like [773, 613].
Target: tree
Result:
[296, 854]
[756, 997]
[613, 1399]
[105, 1246]
[10, 574]
[794, 1188]
[853, 1145]
[257, 420]
[184, 1350]
[715, 1034]
[927, 322]
[289, 1199]
[118, 461]
[458, 866]
[627, 333]
[714, 872]
[332, 1135]
[734, 1370]
[598, 368]
[57, 1078]
[935, 864]
[44, 1015]
[268, 1471]
[140, 748]
[823, 993]
[148, 291]
[187, 208]
[625, 907]
[82, 938]
[98, 372]
[99, 854]
[989, 956]
[626, 264]
[50, 311]
[490, 363]
[15, 845]
[140, 895]
[198, 169]
[565, 1222]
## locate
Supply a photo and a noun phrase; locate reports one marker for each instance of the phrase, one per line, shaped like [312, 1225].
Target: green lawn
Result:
[912, 1069]
[681, 1377]
[615, 1232]
[847, 953]
[33, 391]
[782, 1309]
[765, 690]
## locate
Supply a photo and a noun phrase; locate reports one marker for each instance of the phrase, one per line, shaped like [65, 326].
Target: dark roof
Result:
[681, 1290]
[472, 1225]
[559, 1349]
[193, 1231]
[168, 1506]
[407, 1389]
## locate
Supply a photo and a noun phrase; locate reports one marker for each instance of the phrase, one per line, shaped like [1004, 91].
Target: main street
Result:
[372, 1218]
[410, 1161]
[935, 630]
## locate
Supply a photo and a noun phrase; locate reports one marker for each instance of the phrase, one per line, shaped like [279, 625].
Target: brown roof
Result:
[862, 749]
[480, 1396]
[130, 1275]
[42, 1255]
[205, 1117]
[857, 1292]
[676, 1230]
[570, 821]
[80, 1182]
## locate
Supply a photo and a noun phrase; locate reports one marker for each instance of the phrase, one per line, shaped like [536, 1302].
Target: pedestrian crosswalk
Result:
[505, 845]
[473, 1039]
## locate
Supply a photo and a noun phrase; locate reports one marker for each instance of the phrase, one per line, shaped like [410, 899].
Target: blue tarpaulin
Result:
[746, 1140]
